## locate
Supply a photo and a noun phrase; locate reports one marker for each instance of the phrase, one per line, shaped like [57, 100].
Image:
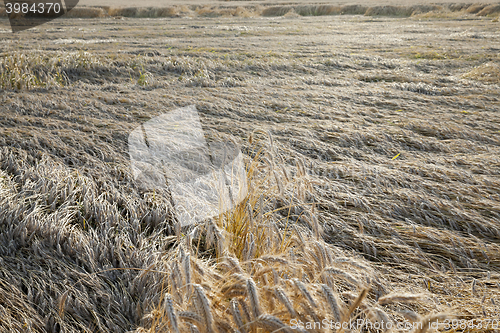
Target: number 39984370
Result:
[35, 8]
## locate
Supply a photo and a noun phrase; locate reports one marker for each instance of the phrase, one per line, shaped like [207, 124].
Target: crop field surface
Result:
[373, 153]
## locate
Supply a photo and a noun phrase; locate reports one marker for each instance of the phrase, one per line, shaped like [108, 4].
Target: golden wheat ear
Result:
[253, 297]
[272, 324]
[62, 302]
[203, 305]
[171, 314]
[333, 302]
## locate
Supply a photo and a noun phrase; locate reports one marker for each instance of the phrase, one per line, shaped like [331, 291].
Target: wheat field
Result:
[371, 142]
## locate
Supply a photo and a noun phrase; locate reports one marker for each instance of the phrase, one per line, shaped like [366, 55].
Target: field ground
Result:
[395, 119]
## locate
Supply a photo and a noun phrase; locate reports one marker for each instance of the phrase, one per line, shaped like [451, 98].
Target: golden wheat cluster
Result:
[263, 266]
[269, 269]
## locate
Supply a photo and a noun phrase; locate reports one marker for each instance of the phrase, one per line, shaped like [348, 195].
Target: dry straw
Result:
[399, 298]
[214, 276]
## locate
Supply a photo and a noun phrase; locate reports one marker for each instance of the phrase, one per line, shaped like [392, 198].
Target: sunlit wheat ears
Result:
[305, 293]
[186, 268]
[332, 302]
[171, 314]
[272, 324]
[283, 299]
[202, 304]
[354, 305]
[238, 319]
[253, 297]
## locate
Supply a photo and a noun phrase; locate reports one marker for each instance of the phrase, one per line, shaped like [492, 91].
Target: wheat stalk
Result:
[193, 328]
[169, 309]
[281, 296]
[191, 317]
[246, 311]
[272, 324]
[253, 297]
[238, 320]
[186, 267]
[204, 305]
[332, 302]
[402, 298]
[303, 290]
